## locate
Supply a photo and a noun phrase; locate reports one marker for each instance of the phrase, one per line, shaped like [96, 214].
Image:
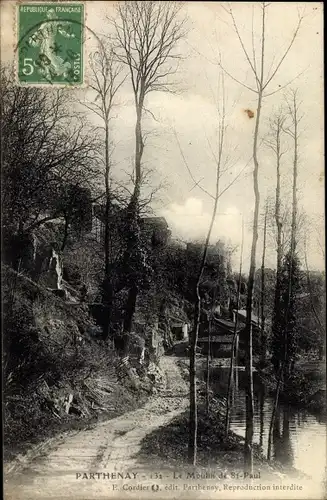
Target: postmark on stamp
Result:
[50, 43]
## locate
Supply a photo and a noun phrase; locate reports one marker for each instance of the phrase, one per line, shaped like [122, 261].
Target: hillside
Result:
[58, 375]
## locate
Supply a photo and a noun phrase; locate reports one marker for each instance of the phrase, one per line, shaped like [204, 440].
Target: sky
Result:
[183, 134]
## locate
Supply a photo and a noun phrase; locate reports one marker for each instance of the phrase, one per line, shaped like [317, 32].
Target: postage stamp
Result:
[50, 43]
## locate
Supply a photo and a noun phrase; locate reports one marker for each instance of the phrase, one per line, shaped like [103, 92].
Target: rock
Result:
[53, 275]
[94, 331]
[68, 403]
[37, 258]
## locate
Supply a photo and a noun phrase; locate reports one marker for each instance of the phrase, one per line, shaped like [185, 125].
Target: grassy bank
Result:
[306, 388]
[214, 448]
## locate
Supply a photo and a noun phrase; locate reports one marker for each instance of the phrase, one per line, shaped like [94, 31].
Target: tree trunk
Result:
[133, 215]
[294, 189]
[287, 361]
[275, 409]
[208, 364]
[248, 451]
[235, 341]
[285, 365]
[276, 316]
[263, 294]
[193, 421]
[209, 350]
[129, 314]
[139, 144]
[230, 377]
[192, 448]
[107, 206]
[107, 300]
[107, 285]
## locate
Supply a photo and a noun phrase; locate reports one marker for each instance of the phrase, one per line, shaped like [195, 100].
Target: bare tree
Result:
[286, 360]
[263, 290]
[274, 142]
[209, 351]
[219, 160]
[105, 81]
[262, 80]
[292, 130]
[47, 147]
[235, 340]
[146, 38]
[222, 165]
[192, 447]
[106, 78]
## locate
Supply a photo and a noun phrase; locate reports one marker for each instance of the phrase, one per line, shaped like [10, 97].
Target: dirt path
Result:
[104, 463]
[85, 465]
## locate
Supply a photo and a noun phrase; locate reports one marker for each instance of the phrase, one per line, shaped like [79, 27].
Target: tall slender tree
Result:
[275, 143]
[289, 283]
[193, 421]
[235, 339]
[211, 317]
[263, 291]
[262, 80]
[221, 161]
[293, 131]
[106, 78]
[147, 35]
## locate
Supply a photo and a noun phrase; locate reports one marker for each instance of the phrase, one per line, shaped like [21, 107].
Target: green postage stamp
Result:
[50, 43]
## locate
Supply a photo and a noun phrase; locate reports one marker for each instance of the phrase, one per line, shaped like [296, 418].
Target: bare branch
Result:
[236, 178]
[252, 65]
[253, 45]
[188, 168]
[278, 65]
[236, 80]
[286, 84]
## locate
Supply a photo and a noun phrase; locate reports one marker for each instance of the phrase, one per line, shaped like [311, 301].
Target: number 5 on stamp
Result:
[50, 43]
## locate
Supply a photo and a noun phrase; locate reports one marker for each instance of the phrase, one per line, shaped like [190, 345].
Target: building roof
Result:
[255, 319]
[217, 339]
[242, 314]
[226, 326]
[225, 322]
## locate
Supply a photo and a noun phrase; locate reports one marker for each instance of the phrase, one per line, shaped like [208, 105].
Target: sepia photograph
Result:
[163, 250]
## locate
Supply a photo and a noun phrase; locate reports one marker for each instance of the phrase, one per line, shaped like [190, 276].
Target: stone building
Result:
[155, 230]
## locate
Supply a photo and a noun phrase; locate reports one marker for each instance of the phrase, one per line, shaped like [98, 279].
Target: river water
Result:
[299, 438]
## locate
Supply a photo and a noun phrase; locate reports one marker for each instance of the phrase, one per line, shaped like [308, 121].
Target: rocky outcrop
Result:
[37, 258]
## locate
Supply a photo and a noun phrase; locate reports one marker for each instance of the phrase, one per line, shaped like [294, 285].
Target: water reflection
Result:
[282, 446]
[299, 438]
